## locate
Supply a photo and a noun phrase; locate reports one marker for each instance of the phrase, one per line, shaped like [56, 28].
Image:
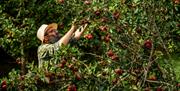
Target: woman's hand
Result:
[65, 39]
[80, 31]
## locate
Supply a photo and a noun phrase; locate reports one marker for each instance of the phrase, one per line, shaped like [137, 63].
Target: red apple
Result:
[118, 71]
[107, 38]
[116, 15]
[71, 87]
[110, 53]
[114, 57]
[4, 82]
[97, 12]
[89, 36]
[63, 62]
[148, 44]
[4, 88]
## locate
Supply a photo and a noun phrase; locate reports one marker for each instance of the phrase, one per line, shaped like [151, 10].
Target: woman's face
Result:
[52, 36]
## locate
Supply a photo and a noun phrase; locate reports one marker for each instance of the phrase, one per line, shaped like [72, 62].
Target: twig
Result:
[160, 82]
[147, 69]
[94, 55]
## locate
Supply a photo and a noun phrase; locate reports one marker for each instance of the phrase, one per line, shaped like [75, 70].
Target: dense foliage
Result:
[128, 44]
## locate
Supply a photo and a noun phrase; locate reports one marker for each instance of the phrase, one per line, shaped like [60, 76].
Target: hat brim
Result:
[51, 26]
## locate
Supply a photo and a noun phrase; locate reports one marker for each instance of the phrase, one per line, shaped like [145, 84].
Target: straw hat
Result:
[43, 28]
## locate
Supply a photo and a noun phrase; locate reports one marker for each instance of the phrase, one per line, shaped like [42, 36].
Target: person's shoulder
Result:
[43, 47]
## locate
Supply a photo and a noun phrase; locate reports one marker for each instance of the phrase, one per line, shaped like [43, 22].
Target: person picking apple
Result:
[51, 40]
